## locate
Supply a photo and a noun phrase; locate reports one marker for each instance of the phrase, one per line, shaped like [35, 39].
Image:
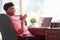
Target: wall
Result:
[1, 5]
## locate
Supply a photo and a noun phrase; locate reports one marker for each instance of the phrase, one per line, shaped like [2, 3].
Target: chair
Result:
[6, 28]
[27, 37]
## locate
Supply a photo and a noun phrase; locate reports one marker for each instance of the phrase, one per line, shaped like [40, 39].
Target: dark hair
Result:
[7, 5]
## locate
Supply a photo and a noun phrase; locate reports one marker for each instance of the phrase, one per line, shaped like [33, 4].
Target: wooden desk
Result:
[50, 34]
[37, 31]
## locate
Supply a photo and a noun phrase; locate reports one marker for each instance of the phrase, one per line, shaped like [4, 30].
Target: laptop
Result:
[46, 21]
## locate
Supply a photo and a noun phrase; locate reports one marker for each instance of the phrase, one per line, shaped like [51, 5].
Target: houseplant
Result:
[33, 21]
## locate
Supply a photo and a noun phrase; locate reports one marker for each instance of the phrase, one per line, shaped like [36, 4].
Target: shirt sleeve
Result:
[16, 24]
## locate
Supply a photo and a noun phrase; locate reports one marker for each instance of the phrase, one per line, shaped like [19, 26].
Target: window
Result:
[38, 8]
[52, 8]
[42, 8]
[0, 6]
[33, 8]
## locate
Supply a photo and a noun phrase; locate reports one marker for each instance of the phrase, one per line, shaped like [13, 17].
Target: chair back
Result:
[6, 28]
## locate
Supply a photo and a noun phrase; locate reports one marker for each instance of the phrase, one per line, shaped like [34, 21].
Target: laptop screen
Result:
[46, 21]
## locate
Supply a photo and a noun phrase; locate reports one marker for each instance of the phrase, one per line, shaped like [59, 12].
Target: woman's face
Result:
[10, 11]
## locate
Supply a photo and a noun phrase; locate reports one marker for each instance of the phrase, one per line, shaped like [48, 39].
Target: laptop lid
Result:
[46, 21]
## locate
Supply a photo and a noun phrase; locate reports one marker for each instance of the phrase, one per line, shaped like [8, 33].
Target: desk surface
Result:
[40, 31]
[37, 31]
[50, 34]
